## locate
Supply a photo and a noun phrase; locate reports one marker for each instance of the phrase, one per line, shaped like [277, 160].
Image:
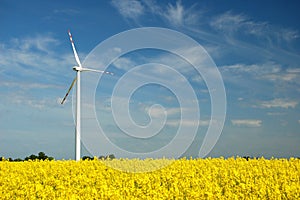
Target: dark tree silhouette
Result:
[87, 158]
[41, 156]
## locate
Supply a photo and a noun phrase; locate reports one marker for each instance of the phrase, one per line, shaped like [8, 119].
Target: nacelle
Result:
[76, 68]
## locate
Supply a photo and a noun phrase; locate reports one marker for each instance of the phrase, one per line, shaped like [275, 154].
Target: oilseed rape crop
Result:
[210, 178]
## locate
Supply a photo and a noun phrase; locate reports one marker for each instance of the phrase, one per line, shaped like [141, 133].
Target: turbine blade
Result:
[99, 71]
[74, 50]
[75, 79]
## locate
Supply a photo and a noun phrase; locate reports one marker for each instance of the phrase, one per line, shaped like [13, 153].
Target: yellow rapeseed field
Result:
[210, 178]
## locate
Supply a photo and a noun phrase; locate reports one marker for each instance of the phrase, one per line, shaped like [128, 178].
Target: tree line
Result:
[43, 156]
[40, 156]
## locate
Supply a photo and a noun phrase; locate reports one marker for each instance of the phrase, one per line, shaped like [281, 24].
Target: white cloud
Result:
[185, 71]
[281, 74]
[229, 28]
[124, 63]
[175, 123]
[33, 102]
[228, 22]
[281, 77]
[247, 122]
[39, 42]
[27, 86]
[275, 113]
[204, 122]
[35, 53]
[268, 71]
[30, 64]
[238, 23]
[279, 103]
[287, 34]
[129, 8]
[159, 111]
[177, 15]
[293, 70]
[255, 69]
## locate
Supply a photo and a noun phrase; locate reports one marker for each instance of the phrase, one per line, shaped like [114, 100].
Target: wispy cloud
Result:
[247, 122]
[156, 111]
[268, 71]
[131, 9]
[192, 123]
[228, 22]
[33, 68]
[29, 101]
[238, 23]
[178, 15]
[124, 63]
[27, 85]
[157, 72]
[255, 69]
[282, 77]
[39, 42]
[236, 31]
[276, 113]
[33, 56]
[175, 14]
[279, 103]
[258, 41]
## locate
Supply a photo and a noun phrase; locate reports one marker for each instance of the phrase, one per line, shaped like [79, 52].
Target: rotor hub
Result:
[76, 68]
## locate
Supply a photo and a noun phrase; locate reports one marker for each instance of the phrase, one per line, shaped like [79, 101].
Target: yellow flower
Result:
[211, 178]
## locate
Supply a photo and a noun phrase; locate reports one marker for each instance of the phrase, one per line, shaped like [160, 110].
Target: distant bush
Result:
[109, 157]
[40, 156]
[87, 158]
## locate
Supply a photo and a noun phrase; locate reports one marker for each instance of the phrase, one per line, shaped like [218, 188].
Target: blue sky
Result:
[254, 44]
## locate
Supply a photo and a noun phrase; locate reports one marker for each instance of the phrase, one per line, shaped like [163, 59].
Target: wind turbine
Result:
[78, 69]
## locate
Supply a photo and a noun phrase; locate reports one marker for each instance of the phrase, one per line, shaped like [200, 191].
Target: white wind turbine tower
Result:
[78, 69]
